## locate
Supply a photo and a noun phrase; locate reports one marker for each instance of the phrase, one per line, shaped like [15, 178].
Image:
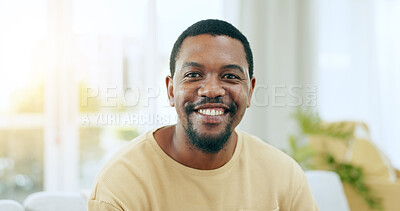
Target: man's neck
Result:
[174, 142]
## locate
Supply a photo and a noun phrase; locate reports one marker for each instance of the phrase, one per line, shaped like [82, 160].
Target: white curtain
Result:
[281, 36]
[387, 79]
[350, 51]
[359, 67]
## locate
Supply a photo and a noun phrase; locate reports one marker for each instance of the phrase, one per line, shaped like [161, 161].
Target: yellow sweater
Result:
[258, 177]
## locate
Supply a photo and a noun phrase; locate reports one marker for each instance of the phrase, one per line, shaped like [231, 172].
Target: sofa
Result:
[357, 149]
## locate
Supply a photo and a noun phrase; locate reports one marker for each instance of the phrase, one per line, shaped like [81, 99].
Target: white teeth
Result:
[210, 112]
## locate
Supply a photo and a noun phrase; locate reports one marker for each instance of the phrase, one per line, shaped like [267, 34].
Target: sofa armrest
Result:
[388, 192]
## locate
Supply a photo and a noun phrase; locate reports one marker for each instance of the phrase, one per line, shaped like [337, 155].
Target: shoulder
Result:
[270, 161]
[258, 149]
[124, 172]
[135, 150]
[279, 171]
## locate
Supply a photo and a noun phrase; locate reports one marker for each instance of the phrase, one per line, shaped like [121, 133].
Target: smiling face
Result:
[211, 89]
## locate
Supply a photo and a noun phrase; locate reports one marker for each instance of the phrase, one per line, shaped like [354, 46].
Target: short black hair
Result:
[212, 27]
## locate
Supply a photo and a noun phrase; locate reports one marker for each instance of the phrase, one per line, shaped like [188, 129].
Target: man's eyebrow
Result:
[233, 66]
[192, 64]
[228, 66]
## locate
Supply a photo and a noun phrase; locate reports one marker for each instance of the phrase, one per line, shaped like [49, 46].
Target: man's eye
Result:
[230, 76]
[193, 75]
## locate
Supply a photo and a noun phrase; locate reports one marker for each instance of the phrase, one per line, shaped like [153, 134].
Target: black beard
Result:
[206, 143]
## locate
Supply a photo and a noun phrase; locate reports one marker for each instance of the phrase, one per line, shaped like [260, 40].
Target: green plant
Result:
[354, 176]
[302, 154]
[311, 124]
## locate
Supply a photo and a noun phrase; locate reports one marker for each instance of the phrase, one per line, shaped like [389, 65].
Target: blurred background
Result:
[80, 79]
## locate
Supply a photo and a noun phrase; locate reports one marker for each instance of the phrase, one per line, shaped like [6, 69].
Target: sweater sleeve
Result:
[97, 205]
[303, 200]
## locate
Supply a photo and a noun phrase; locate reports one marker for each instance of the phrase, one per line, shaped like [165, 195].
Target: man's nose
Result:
[211, 87]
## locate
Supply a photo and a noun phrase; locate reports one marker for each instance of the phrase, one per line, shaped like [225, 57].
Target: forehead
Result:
[212, 50]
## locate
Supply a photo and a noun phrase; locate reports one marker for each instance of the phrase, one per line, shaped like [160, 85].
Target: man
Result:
[202, 162]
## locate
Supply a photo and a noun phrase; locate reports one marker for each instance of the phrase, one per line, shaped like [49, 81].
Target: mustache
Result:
[190, 105]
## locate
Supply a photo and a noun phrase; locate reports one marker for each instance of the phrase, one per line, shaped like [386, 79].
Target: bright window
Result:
[79, 80]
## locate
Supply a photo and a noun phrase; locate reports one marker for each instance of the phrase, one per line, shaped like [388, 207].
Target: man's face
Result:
[211, 89]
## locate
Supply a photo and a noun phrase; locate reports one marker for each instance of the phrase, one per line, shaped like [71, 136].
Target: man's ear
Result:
[170, 90]
[252, 85]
